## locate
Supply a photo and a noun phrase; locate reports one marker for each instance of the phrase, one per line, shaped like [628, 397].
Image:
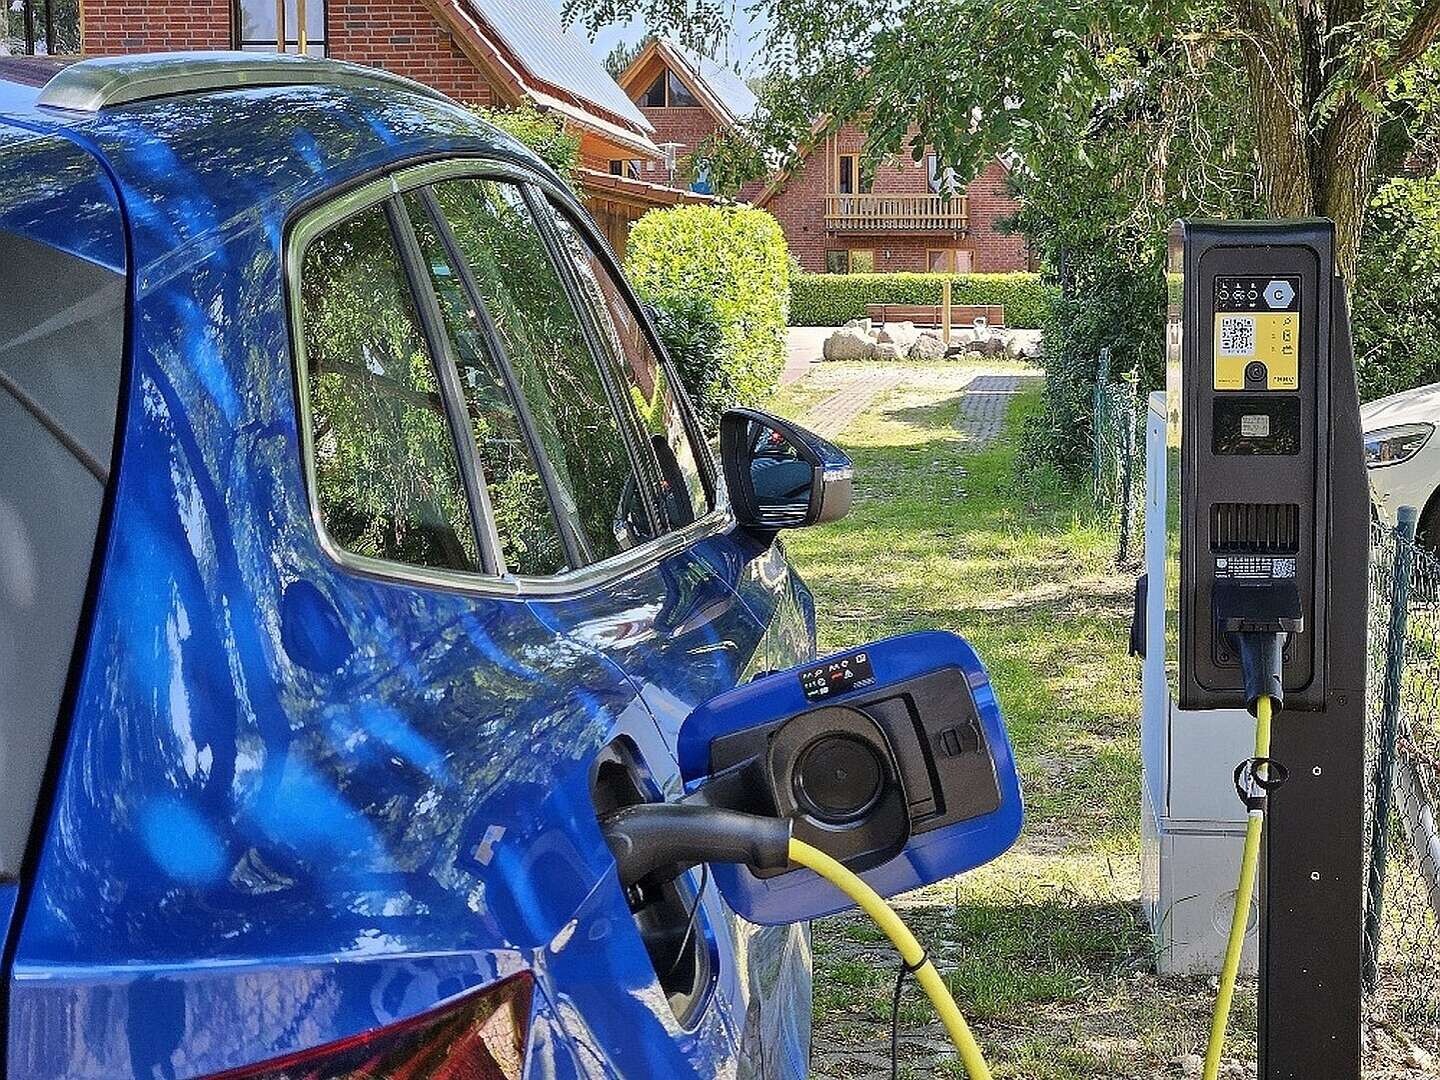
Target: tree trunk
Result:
[1346, 167]
[1281, 132]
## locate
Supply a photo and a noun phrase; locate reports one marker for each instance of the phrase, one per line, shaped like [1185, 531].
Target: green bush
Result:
[737, 259]
[544, 135]
[1109, 304]
[1396, 315]
[835, 299]
[690, 328]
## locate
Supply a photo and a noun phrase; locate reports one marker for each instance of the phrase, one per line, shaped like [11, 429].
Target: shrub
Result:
[545, 136]
[835, 299]
[690, 328]
[736, 258]
[1396, 316]
[1109, 304]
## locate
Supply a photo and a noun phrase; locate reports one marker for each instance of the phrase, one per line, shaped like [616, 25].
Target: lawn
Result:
[1044, 949]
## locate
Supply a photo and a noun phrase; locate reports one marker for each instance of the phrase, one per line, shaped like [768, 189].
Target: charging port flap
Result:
[891, 758]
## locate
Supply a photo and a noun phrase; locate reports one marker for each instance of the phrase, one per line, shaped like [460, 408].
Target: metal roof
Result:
[730, 91]
[532, 31]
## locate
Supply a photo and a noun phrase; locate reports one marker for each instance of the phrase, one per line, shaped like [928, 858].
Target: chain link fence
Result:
[1117, 466]
[1402, 902]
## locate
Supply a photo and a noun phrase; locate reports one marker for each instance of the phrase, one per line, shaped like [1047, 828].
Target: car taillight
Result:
[480, 1036]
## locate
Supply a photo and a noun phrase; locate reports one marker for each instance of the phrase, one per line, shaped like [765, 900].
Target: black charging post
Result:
[1271, 509]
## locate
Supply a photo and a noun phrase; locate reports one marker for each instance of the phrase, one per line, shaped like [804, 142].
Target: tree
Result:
[973, 77]
[622, 55]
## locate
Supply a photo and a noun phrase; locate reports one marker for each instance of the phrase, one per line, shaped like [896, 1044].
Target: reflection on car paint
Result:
[297, 803]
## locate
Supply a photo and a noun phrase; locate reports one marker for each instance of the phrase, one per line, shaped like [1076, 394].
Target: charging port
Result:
[679, 947]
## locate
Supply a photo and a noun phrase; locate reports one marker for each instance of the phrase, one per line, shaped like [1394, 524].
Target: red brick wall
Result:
[127, 26]
[800, 208]
[684, 126]
[990, 203]
[404, 36]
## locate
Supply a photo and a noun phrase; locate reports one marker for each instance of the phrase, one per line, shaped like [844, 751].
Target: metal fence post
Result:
[1128, 450]
[1383, 780]
[1098, 424]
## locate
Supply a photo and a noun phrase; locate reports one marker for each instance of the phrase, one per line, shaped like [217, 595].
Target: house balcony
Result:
[919, 213]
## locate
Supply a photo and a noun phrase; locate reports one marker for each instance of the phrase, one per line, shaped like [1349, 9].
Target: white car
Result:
[1403, 456]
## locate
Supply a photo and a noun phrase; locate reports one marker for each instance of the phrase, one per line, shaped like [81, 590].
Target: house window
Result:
[667, 91]
[255, 30]
[851, 178]
[680, 95]
[621, 167]
[654, 96]
[853, 261]
[950, 260]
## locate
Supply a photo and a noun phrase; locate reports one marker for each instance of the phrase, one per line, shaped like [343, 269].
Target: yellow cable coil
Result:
[1249, 862]
[904, 941]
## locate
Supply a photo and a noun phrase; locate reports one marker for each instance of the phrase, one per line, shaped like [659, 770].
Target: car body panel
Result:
[1414, 481]
[296, 803]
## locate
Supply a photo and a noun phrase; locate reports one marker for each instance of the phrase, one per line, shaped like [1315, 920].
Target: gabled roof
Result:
[524, 47]
[718, 87]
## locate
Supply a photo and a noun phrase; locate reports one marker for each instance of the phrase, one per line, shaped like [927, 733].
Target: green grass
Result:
[1044, 949]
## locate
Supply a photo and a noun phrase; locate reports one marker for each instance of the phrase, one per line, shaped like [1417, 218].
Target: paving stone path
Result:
[833, 415]
[987, 400]
[987, 397]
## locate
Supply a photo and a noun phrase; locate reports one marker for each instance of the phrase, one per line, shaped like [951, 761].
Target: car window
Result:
[387, 478]
[575, 422]
[529, 535]
[656, 402]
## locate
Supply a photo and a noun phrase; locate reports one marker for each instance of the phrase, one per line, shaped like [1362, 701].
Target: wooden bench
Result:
[962, 316]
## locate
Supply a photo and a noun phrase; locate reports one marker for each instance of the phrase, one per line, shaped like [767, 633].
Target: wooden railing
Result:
[896, 213]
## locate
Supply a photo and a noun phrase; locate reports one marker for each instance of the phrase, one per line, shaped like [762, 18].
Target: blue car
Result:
[359, 555]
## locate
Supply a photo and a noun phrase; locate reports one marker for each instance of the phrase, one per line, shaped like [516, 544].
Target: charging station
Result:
[1264, 590]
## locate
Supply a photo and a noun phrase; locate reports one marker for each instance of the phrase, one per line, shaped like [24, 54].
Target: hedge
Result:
[736, 258]
[835, 299]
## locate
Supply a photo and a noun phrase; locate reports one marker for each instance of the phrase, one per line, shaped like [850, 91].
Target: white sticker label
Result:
[1237, 335]
[1255, 426]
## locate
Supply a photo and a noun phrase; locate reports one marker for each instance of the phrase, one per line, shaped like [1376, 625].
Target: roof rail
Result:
[107, 82]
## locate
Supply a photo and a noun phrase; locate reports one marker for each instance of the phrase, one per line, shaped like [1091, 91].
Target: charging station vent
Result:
[1255, 528]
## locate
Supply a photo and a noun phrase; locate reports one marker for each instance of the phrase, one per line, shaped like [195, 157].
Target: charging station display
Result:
[1257, 333]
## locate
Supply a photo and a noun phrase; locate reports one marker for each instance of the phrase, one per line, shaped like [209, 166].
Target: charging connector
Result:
[652, 837]
[1262, 660]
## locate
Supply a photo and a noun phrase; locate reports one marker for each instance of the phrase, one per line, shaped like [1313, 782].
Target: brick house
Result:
[686, 97]
[836, 216]
[480, 52]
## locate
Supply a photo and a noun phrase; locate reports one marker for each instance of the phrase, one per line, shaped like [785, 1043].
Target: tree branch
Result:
[1418, 37]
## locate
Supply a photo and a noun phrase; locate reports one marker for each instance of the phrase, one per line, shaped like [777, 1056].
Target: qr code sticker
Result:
[1237, 335]
[1283, 568]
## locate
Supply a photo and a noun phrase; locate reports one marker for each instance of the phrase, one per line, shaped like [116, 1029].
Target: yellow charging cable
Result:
[1240, 920]
[904, 941]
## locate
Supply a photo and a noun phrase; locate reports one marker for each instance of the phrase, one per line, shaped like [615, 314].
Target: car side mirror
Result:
[781, 476]
[892, 758]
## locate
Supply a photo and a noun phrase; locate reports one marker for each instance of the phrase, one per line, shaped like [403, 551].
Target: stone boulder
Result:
[902, 335]
[927, 346]
[887, 350]
[849, 343]
[862, 323]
